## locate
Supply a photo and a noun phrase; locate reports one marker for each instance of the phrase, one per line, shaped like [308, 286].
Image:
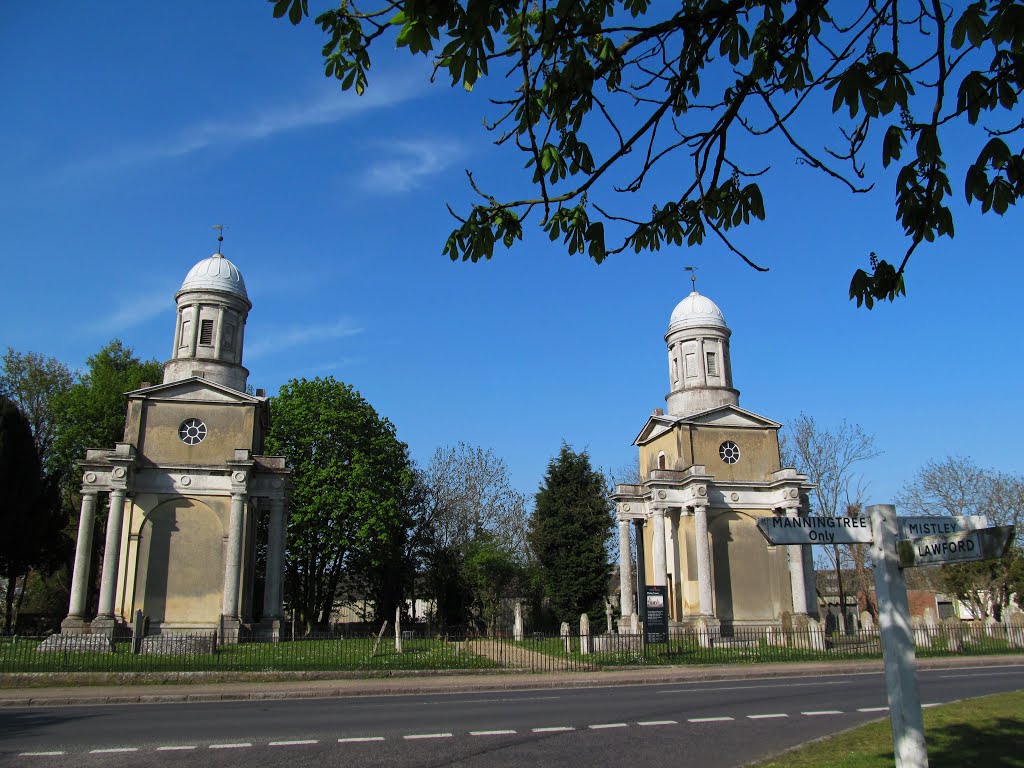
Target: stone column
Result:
[83, 558]
[272, 592]
[194, 336]
[700, 524]
[625, 570]
[219, 332]
[658, 545]
[233, 561]
[796, 573]
[702, 364]
[111, 553]
[177, 336]
[675, 610]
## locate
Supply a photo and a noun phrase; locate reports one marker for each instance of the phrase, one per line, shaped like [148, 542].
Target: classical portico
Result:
[186, 488]
[709, 470]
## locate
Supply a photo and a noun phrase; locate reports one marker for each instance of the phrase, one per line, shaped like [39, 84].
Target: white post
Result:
[658, 543]
[233, 566]
[625, 570]
[398, 629]
[700, 522]
[897, 641]
[796, 573]
[83, 556]
[111, 553]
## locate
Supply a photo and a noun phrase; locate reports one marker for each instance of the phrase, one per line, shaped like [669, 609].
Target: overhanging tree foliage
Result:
[349, 514]
[602, 96]
[569, 531]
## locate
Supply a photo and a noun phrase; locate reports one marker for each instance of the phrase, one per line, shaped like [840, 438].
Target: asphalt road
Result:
[714, 723]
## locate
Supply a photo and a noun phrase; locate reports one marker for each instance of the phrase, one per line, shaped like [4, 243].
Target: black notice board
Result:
[656, 625]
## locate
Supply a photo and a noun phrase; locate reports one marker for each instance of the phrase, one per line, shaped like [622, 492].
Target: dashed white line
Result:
[111, 750]
[554, 729]
[818, 712]
[932, 704]
[293, 743]
[602, 726]
[658, 722]
[873, 709]
[358, 739]
[239, 745]
[40, 754]
[176, 748]
[412, 736]
[767, 717]
[709, 719]
[491, 733]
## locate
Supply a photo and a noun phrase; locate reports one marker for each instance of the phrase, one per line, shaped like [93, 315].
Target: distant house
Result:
[924, 594]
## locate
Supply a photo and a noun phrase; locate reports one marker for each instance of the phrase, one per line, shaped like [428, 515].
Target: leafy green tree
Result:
[600, 97]
[493, 574]
[349, 513]
[34, 382]
[569, 531]
[28, 507]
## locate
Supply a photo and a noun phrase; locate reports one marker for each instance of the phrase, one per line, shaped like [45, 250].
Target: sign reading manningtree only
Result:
[857, 530]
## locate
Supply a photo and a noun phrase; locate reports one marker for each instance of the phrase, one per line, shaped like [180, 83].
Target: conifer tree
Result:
[569, 531]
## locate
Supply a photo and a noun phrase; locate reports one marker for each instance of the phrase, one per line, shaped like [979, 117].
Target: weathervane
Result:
[220, 235]
[693, 277]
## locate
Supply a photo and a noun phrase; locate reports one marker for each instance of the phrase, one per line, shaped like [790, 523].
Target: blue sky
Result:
[130, 129]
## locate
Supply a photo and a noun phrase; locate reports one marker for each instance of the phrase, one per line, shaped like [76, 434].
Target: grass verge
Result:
[975, 732]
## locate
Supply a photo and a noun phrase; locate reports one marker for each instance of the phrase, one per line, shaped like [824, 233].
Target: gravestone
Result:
[76, 644]
[952, 629]
[199, 644]
[566, 638]
[866, 622]
[608, 616]
[703, 631]
[992, 627]
[584, 634]
[809, 632]
[517, 624]
[634, 623]
[398, 629]
[922, 637]
[1015, 630]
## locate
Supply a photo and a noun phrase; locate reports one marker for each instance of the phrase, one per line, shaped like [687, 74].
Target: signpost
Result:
[915, 527]
[961, 547]
[815, 530]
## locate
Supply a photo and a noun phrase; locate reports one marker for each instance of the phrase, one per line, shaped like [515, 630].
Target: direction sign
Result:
[961, 547]
[815, 530]
[916, 527]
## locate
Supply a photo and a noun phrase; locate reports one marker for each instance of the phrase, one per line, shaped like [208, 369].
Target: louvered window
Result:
[206, 333]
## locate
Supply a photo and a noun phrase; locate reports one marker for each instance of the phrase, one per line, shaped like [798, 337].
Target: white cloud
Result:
[297, 336]
[330, 107]
[134, 312]
[405, 165]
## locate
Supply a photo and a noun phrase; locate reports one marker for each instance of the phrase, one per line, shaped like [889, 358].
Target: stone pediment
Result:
[194, 389]
[723, 416]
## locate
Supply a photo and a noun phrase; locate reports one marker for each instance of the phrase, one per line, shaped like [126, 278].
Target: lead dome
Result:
[696, 311]
[215, 273]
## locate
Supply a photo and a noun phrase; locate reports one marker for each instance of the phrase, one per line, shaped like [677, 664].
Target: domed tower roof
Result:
[696, 311]
[215, 274]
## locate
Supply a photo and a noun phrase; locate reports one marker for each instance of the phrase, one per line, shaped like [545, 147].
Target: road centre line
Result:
[492, 733]
[554, 729]
[359, 739]
[112, 750]
[40, 754]
[658, 722]
[176, 748]
[750, 687]
[239, 745]
[873, 709]
[817, 712]
[709, 719]
[411, 736]
[932, 704]
[601, 726]
[768, 716]
[293, 743]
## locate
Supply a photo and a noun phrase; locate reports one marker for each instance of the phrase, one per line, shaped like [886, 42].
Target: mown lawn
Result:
[985, 732]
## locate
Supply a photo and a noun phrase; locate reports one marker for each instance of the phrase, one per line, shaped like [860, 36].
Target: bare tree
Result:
[829, 457]
[957, 486]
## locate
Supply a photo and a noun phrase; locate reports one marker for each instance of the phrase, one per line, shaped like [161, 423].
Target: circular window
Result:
[192, 431]
[729, 451]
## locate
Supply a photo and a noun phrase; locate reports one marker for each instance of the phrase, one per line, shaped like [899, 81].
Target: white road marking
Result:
[932, 704]
[239, 745]
[600, 726]
[293, 743]
[412, 736]
[179, 748]
[112, 749]
[354, 739]
[873, 709]
[40, 754]
[709, 719]
[816, 713]
[658, 722]
[491, 733]
[765, 717]
[555, 729]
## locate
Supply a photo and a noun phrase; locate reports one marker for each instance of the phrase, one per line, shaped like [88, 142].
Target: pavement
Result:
[90, 689]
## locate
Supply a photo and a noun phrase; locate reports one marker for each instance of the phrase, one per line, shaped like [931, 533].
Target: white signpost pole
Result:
[897, 641]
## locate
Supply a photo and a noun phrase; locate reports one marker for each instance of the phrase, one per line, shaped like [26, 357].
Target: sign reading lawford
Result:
[815, 530]
[962, 547]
